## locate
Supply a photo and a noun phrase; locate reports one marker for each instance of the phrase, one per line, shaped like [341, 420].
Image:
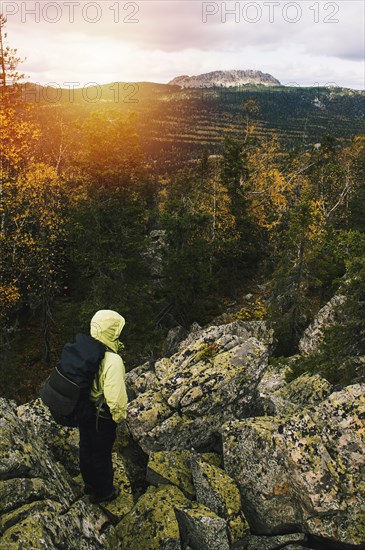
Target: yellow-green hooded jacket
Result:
[106, 326]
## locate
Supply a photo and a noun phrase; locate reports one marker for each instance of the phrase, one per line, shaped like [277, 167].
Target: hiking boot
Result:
[94, 499]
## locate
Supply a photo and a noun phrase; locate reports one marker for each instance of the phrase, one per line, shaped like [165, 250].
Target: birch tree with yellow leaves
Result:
[32, 211]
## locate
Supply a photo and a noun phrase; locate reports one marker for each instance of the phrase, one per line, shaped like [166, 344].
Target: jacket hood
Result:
[106, 326]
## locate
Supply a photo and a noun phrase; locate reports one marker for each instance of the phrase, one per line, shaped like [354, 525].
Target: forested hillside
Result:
[177, 124]
[172, 210]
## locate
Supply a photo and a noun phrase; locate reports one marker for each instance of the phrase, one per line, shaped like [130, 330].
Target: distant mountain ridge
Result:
[225, 79]
[178, 123]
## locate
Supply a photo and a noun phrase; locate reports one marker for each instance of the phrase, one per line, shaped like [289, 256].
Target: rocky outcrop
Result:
[211, 379]
[305, 391]
[40, 503]
[225, 79]
[233, 456]
[325, 318]
[303, 471]
[62, 443]
[202, 528]
[152, 523]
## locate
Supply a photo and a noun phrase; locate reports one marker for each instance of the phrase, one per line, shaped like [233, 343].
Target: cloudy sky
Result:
[303, 42]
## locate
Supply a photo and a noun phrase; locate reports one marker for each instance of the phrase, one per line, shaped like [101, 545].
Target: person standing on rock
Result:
[109, 395]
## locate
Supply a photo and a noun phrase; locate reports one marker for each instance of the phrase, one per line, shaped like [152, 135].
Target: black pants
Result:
[96, 454]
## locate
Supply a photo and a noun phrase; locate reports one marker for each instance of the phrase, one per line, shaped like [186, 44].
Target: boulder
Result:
[273, 379]
[38, 503]
[289, 542]
[289, 474]
[219, 492]
[152, 523]
[62, 442]
[212, 379]
[304, 471]
[202, 529]
[251, 459]
[174, 337]
[46, 524]
[305, 391]
[325, 318]
[171, 467]
[140, 380]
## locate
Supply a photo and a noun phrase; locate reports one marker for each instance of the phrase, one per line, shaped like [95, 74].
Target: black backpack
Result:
[66, 391]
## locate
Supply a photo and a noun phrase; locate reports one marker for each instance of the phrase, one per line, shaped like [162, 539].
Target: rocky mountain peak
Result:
[225, 79]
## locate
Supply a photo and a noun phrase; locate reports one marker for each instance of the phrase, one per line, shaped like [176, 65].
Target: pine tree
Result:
[299, 252]
[241, 252]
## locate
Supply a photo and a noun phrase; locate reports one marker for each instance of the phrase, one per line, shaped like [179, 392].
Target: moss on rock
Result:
[219, 492]
[152, 523]
[303, 470]
[212, 458]
[211, 379]
[171, 467]
[62, 442]
[18, 491]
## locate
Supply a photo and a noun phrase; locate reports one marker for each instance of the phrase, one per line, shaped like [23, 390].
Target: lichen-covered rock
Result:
[211, 379]
[45, 525]
[63, 444]
[152, 523]
[298, 471]
[305, 391]
[18, 491]
[219, 492]
[38, 504]
[140, 380]
[251, 458]
[303, 472]
[212, 458]
[146, 412]
[201, 528]
[290, 541]
[171, 467]
[325, 318]
[61, 441]
[273, 379]
[24, 456]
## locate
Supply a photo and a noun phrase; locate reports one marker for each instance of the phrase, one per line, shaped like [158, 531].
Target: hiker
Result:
[108, 393]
